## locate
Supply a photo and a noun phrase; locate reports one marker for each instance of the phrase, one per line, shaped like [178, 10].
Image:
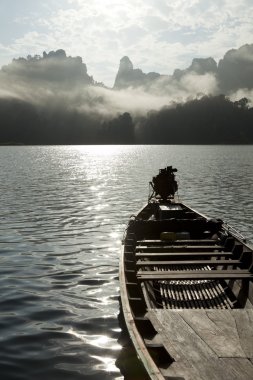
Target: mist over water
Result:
[63, 212]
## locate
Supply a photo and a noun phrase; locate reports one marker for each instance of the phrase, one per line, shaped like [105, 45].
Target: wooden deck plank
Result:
[244, 323]
[239, 368]
[194, 358]
[217, 328]
[187, 262]
[181, 370]
[179, 338]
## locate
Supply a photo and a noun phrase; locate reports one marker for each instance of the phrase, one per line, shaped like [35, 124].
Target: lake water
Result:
[63, 212]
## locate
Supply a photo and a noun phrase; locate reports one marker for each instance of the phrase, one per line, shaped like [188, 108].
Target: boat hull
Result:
[177, 265]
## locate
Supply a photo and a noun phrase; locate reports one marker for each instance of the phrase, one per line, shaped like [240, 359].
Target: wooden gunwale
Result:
[137, 340]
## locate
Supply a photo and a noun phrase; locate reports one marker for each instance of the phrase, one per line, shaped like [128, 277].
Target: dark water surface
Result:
[63, 213]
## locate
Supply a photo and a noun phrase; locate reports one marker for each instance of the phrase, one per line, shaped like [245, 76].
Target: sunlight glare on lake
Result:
[107, 364]
[102, 341]
[103, 150]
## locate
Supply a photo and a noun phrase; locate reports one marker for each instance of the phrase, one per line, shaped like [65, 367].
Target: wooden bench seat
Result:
[194, 275]
[178, 248]
[182, 254]
[143, 263]
[183, 241]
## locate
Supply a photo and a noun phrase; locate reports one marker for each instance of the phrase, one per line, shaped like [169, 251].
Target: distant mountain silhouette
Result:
[233, 72]
[51, 99]
[127, 76]
[199, 66]
[54, 67]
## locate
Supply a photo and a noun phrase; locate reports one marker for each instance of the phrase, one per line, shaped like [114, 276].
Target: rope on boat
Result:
[235, 232]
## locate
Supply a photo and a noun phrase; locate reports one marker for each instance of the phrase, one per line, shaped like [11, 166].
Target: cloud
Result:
[242, 93]
[200, 84]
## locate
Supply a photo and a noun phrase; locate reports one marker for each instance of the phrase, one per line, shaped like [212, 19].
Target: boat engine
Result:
[164, 184]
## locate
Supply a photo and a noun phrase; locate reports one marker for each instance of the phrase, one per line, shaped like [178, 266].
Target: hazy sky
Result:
[157, 35]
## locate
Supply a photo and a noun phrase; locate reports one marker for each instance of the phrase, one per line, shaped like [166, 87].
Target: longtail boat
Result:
[186, 290]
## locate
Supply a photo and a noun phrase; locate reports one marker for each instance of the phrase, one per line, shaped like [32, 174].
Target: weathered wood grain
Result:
[244, 323]
[197, 338]
[217, 328]
[237, 368]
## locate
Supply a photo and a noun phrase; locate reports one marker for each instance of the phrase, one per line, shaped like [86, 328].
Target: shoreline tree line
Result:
[208, 120]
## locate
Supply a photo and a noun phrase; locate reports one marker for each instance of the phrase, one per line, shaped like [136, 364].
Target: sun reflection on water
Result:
[107, 364]
[115, 235]
[100, 341]
[103, 150]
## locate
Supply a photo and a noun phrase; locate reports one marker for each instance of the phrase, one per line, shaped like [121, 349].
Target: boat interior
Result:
[185, 261]
[188, 290]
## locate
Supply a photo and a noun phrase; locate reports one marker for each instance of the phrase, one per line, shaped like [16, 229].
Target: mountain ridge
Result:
[234, 71]
[52, 99]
